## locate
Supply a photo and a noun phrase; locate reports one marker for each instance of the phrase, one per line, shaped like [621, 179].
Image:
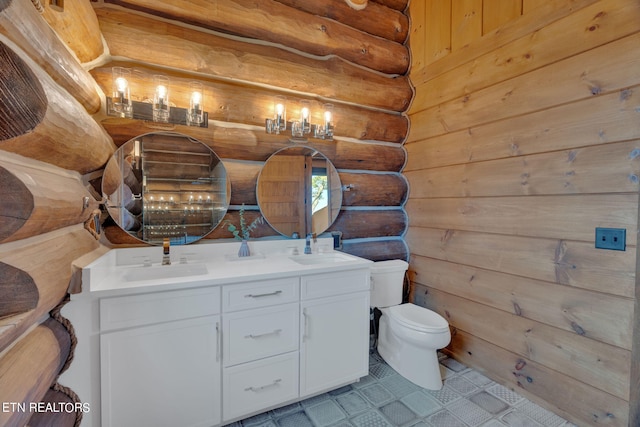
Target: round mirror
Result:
[166, 185]
[299, 191]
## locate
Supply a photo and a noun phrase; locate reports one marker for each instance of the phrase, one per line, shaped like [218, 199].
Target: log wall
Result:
[367, 85]
[55, 137]
[525, 137]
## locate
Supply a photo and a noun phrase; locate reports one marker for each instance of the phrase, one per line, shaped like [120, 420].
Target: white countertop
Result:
[121, 271]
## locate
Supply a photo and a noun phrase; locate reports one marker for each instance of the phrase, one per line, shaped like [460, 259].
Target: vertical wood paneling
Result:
[590, 27]
[496, 13]
[438, 30]
[515, 155]
[529, 6]
[466, 22]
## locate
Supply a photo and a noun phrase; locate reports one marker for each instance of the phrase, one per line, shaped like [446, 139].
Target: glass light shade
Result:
[305, 117]
[327, 130]
[121, 93]
[161, 99]
[279, 114]
[195, 113]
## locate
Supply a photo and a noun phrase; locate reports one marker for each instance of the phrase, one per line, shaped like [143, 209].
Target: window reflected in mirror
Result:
[299, 191]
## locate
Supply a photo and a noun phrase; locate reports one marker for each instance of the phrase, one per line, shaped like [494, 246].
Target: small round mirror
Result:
[166, 185]
[299, 191]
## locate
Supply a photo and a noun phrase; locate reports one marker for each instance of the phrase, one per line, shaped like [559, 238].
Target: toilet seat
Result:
[417, 318]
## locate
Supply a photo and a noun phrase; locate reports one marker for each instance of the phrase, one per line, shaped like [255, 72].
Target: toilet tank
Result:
[387, 280]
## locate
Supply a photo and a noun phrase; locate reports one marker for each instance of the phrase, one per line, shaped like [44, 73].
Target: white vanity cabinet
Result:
[173, 346]
[160, 359]
[334, 341]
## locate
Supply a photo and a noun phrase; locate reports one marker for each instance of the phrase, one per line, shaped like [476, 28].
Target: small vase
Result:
[244, 249]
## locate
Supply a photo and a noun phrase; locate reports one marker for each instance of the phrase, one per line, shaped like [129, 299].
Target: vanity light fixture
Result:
[120, 104]
[278, 123]
[158, 109]
[194, 113]
[303, 127]
[326, 130]
[161, 99]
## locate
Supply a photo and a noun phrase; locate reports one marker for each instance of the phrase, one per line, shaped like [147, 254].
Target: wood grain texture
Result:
[356, 224]
[18, 292]
[163, 44]
[497, 13]
[378, 250]
[590, 122]
[588, 28]
[24, 102]
[65, 135]
[563, 307]
[46, 259]
[573, 354]
[466, 22]
[533, 21]
[552, 217]
[519, 140]
[29, 368]
[614, 67]
[376, 19]
[278, 23]
[77, 26]
[554, 390]
[256, 145]
[569, 263]
[394, 4]
[21, 23]
[39, 200]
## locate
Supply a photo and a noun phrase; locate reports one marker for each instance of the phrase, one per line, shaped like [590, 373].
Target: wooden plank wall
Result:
[525, 137]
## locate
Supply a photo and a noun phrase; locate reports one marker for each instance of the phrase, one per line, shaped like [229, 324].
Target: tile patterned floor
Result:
[385, 399]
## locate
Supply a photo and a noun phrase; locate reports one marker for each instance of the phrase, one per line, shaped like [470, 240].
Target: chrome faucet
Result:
[166, 258]
[307, 246]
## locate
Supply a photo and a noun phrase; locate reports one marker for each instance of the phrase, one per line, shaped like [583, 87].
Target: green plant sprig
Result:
[244, 231]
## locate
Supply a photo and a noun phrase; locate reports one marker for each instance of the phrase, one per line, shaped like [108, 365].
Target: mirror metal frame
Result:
[138, 172]
[299, 187]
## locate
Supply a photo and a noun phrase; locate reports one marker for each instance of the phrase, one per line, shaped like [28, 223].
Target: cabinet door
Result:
[334, 341]
[162, 375]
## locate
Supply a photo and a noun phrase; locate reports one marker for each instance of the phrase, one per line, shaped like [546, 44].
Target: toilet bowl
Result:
[409, 335]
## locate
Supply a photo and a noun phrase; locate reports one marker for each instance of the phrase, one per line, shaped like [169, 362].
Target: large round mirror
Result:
[299, 191]
[166, 185]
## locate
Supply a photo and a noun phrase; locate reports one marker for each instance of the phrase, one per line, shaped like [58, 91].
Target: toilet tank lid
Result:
[389, 265]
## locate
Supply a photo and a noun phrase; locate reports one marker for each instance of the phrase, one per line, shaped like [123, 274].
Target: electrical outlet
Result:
[611, 238]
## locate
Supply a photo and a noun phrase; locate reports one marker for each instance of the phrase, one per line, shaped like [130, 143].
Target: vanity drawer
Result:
[145, 309]
[264, 293]
[256, 334]
[328, 284]
[258, 385]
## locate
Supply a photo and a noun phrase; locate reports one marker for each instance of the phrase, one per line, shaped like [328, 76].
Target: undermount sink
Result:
[156, 272]
[313, 259]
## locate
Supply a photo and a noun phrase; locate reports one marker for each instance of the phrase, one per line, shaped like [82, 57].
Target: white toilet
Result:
[409, 335]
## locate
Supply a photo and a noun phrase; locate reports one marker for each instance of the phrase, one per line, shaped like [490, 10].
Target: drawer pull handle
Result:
[263, 295]
[276, 332]
[257, 389]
